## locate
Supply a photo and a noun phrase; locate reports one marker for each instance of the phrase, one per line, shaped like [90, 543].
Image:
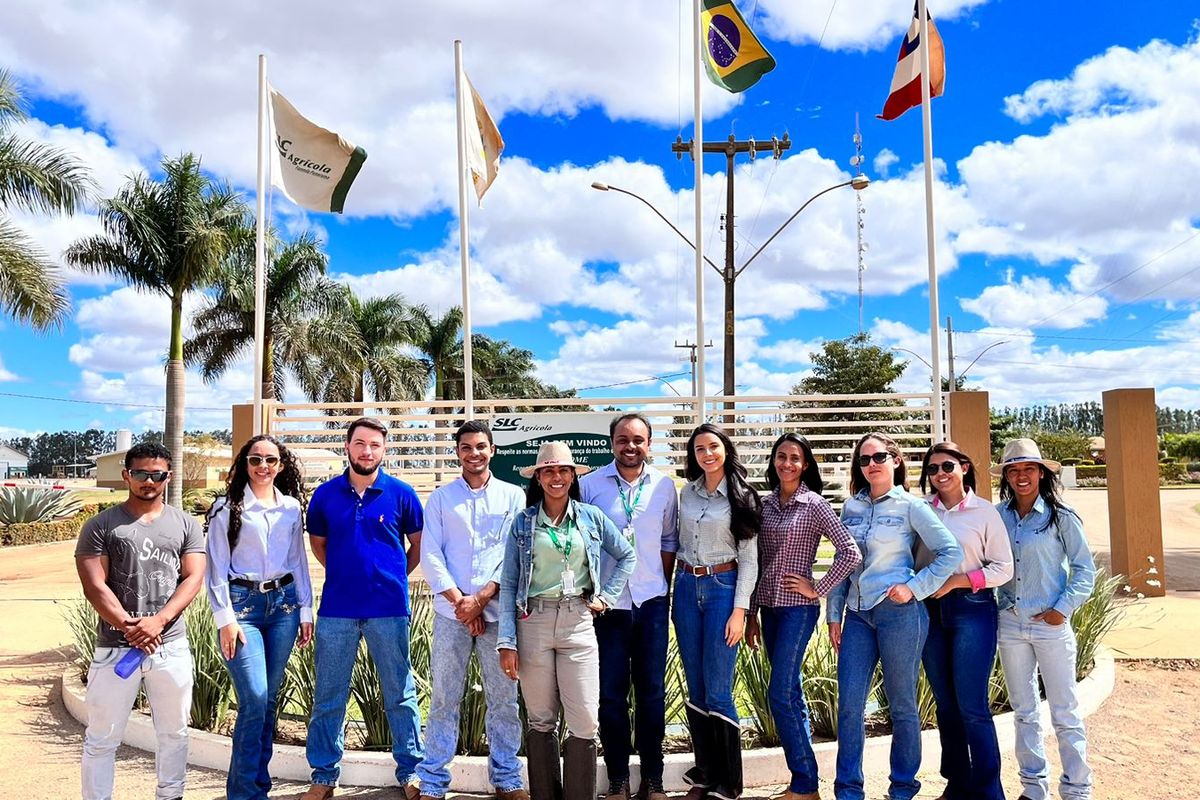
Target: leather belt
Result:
[263, 586]
[728, 566]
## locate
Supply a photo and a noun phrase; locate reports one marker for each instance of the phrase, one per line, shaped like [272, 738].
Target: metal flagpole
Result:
[463, 239]
[260, 247]
[935, 356]
[698, 160]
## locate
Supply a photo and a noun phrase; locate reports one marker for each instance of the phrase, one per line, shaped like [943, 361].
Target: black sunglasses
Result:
[257, 461]
[945, 466]
[878, 458]
[144, 475]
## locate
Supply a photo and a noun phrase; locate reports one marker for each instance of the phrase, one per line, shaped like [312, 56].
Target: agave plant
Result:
[35, 504]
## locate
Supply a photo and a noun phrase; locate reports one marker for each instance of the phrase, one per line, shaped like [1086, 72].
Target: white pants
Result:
[167, 675]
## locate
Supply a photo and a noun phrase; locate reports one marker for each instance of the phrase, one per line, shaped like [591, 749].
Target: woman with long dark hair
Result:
[961, 647]
[1053, 576]
[261, 596]
[550, 588]
[794, 519]
[874, 617]
[716, 569]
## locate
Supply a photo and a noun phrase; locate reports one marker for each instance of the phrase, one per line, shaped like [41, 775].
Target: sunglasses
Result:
[945, 466]
[878, 458]
[143, 475]
[258, 461]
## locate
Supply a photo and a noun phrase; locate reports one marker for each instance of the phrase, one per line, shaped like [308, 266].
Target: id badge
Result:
[568, 581]
[629, 532]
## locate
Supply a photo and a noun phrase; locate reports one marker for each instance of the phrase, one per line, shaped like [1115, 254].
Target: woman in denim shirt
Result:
[874, 617]
[549, 591]
[716, 569]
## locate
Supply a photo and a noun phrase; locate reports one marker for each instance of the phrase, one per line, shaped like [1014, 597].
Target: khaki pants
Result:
[560, 663]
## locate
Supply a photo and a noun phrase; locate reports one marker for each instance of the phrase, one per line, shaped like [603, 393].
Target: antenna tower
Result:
[857, 162]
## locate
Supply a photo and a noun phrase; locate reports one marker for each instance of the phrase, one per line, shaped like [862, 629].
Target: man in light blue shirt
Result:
[466, 524]
[643, 503]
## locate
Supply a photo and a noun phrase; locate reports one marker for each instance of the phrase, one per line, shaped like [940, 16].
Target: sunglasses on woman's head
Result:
[945, 466]
[878, 458]
[143, 475]
[258, 461]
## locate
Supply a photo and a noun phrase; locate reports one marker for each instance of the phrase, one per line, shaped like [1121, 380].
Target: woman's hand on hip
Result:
[510, 665]
[230, 635]
[900, 593]
[735, 627]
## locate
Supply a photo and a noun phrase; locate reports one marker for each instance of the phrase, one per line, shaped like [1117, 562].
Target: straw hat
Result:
[554, 454]
[1023, 451]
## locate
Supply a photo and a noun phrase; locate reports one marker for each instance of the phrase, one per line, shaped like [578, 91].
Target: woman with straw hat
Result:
[1054, 574]
[550, 588]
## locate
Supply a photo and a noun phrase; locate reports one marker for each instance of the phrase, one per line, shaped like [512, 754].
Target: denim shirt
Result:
[706, 539]
[598, 532]
[886, 532]
[1054, 567]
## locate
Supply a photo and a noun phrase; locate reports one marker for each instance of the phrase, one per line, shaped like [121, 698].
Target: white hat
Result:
[1023, 451]
[554, 454]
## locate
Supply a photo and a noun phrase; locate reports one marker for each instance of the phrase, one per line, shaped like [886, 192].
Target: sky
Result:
[1066, 154]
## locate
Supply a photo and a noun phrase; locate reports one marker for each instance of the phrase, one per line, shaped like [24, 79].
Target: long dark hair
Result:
[534, 494]
[810, 477]
[858, 479]
[1050, 489]
[950, 449]
[289, 481]
[745, 506]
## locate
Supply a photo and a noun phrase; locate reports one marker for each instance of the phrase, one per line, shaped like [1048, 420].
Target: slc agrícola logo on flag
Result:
[734, 57]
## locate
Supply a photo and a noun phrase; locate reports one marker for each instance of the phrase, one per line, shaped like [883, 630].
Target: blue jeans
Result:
[702, 606]
[633, 643]
[1026, 649]
[269, 621]
[785, 632]
[452, 648]
[337, 647]
[958, 659]
[892, 634]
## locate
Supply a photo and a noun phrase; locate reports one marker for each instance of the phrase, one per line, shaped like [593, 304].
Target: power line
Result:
[120, 403]
[1081, 338]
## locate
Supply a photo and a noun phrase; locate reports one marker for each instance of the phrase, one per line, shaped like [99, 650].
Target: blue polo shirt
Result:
[366, 570]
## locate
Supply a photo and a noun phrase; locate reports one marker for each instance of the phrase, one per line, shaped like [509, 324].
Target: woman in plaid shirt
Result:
[795, 517]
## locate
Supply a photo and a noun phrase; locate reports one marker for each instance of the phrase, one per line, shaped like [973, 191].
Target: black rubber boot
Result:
[727, 740]
[579, 769]
[701, 775]
[545, 771]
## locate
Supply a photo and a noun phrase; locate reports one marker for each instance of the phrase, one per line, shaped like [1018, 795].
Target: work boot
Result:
[545, 769]
[318, 791]
[512, 794]
[579, 769]
[790, 795]
[651, 789]
[700, 776]
[727, 743]
[618, 790]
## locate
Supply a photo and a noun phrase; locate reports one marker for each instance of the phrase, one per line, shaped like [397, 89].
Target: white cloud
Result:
[1035, 301]
[861, 25]
[884, 162]
[6, 375]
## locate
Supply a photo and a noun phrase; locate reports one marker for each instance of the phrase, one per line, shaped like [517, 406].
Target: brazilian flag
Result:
[734, 58]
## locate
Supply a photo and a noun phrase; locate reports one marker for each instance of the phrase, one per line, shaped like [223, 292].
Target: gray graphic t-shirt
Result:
[143, 562]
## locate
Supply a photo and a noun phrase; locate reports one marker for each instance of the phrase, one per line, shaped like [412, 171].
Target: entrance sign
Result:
[518, 437]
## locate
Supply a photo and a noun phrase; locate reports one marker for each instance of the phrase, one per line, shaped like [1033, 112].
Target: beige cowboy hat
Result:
[1023, 451]
[554, 454]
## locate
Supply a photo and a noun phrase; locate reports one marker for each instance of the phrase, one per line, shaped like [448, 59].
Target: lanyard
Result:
[553, 532]
[630, 508]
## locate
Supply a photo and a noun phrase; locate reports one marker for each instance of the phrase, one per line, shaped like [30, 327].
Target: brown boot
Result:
[579, 769]
[651, 789]
[318, 791]
[790, 795]
[512, 794]
[617, 790]
[545, 769]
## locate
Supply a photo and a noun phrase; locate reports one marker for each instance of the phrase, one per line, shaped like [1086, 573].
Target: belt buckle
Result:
[266, 586]
[704, 571]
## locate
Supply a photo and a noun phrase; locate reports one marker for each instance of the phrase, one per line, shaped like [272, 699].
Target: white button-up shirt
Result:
[463, 542]
[980, 532]
[655, 526]
[270, 545]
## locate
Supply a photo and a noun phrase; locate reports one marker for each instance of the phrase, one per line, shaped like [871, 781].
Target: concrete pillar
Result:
[1134, 512]
[243, 423]
[971, 429]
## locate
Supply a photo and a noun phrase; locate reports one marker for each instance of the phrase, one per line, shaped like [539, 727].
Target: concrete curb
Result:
[762, 767]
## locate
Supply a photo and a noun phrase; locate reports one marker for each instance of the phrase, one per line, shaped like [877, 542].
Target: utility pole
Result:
[691, 348]
[730, 147]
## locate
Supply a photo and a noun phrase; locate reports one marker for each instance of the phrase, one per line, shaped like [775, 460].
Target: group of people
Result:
[564, 589]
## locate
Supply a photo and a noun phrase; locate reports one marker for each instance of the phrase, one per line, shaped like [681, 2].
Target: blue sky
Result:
[1066, 146]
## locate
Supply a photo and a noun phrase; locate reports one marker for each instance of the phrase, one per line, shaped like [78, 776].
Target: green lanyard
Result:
[553, 532]
[630, 508]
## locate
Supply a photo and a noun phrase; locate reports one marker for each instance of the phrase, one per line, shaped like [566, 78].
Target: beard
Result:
[361, 470]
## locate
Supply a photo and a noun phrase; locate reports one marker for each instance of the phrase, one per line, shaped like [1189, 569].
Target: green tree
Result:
[37, 179]
[167, 237]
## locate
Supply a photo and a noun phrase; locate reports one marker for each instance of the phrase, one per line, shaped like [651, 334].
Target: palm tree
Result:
[39, 179]
[305, 312]
[439, 341]
[170, 238]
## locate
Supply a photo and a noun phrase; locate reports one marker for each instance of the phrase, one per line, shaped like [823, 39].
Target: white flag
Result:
[312, 165]
[484, 144]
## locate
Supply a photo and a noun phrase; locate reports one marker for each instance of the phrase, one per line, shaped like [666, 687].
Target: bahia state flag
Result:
[906, 82]
[312, 165]
[734, 57]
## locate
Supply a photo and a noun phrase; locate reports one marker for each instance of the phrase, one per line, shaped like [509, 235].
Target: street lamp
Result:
[952, 377]
[729, 274]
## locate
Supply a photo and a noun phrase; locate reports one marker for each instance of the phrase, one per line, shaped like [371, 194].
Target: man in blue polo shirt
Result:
[358, 523]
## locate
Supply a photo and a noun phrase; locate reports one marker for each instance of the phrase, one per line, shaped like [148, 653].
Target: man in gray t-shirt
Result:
[141, 563]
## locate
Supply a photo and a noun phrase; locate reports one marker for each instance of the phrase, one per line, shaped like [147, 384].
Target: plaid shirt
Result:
[787, 544]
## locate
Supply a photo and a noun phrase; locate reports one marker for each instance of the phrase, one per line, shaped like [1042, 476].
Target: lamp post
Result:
[952, 377]
[729, 274]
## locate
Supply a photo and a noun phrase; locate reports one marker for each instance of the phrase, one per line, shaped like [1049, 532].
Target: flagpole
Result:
[463, 239]
[260, 238]
[698, 161]
[935, 356]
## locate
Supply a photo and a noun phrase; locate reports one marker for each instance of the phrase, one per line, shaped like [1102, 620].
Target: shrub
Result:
[1172, 472]
[1095, 618]
[20, 504]
[820, 684]
[1092, 483]
[1193, 466]
[1091, 471]
[212, 688]
[752, 677]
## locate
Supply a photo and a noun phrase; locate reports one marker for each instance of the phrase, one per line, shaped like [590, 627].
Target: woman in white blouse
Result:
[961, 646]
[261, 596]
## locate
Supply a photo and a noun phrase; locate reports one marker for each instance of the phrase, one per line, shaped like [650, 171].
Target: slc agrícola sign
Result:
[518, 436]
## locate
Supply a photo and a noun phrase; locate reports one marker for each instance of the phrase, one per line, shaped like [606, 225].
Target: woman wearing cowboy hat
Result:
[550, 588]
[1053, 576]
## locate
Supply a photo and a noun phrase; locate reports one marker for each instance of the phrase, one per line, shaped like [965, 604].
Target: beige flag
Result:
[312, 165]
[484, 143]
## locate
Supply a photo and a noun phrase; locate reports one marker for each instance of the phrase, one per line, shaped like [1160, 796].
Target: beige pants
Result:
[560, 663]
